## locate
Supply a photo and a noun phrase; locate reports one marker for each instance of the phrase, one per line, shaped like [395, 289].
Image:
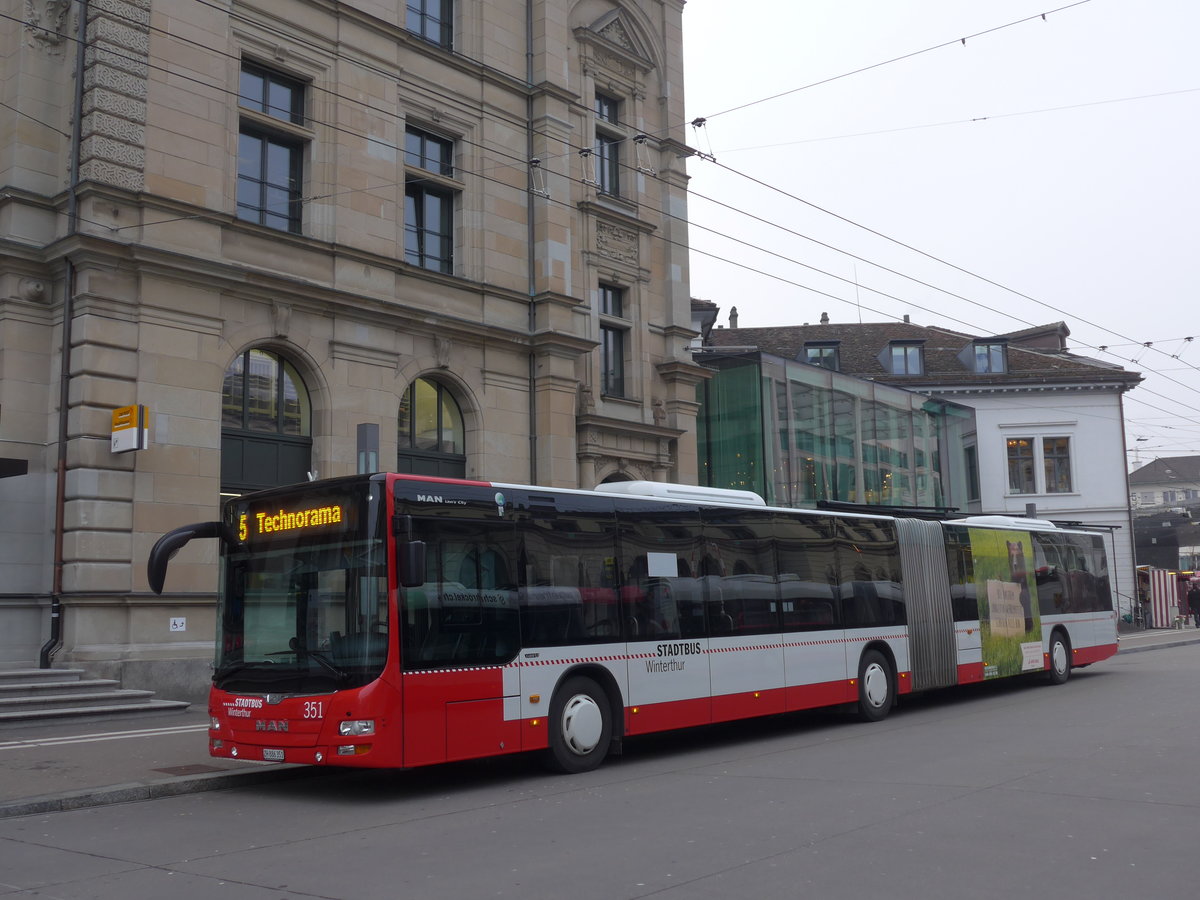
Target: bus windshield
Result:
[305, 604]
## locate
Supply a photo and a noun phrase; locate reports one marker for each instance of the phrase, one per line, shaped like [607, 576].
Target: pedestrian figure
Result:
[1193, 598]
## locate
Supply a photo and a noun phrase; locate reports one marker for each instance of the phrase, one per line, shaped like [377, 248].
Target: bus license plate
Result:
[273, 755]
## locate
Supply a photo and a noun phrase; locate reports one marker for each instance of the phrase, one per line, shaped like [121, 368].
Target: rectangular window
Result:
[823, 355]
[608, 109]
[989, 358]
[906, 359]
[431, 20]
[423, 150]
[429, 201]
[612, 361]
[612, 302]
[608, 164]
[972, 462]
[607, 148]
[1056, 457]
[270, 174]
[1021, 479]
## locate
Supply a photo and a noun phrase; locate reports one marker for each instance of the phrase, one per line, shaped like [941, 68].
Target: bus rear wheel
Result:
[580, 726]
[876, 687]
[1060, 659]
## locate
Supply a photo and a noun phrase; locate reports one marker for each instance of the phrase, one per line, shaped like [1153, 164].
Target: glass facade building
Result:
[797, 434]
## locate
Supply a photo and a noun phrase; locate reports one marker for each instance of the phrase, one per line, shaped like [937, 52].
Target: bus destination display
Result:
[274, 522]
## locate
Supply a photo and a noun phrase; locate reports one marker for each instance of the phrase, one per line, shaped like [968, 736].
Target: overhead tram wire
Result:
[901, 58]
[970, 121]
[520, 164]
[951, 265]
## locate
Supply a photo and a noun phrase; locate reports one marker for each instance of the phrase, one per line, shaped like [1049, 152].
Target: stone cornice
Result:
[565, 346]
[678, 372]
[624, 427]
[616, 216]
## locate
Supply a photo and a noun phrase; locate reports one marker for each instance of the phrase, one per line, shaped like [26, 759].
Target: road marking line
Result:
[102, 736]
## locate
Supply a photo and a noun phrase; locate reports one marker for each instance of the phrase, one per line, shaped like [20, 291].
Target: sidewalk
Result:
[48, 768]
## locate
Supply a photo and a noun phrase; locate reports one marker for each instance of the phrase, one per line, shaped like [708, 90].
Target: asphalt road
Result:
[994, 792]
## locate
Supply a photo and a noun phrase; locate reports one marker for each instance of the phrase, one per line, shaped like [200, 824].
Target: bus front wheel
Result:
[876, 688]
[580, 726]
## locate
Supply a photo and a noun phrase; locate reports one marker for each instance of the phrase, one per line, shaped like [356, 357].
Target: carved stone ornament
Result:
[442, 348]
[616, 242]
[587, 403]
[613, 64]
[33, 290]
[615, 31]
[46, 22]
[281, 319]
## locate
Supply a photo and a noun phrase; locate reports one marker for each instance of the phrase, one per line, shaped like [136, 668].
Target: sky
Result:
[1045, 170]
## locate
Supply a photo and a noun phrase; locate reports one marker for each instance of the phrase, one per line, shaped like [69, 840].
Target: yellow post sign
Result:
[130, 429]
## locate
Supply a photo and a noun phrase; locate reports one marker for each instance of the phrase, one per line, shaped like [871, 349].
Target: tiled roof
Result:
[859, 346]
[1184, 470]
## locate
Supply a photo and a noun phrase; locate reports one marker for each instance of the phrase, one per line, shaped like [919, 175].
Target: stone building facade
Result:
[451, 233]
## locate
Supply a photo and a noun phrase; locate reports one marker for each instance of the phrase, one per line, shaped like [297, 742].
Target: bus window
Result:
[960, 564]
[465, 613]
[568, 583]
[738, 572]
[657, 543]
[808, 573]
[869, 573]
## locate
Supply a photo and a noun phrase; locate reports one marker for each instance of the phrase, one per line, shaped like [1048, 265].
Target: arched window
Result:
[430, 439]
[266, 424]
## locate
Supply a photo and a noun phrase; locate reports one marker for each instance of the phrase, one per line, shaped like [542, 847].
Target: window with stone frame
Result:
[430, 192]
[430, 436]
[273, 138]
[614, 339]
[432, 20]
[610, 136]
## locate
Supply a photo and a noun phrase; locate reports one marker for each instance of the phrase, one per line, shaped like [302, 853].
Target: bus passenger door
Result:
[457, 632]
[741, 588]
[814, 657]
[663, 616]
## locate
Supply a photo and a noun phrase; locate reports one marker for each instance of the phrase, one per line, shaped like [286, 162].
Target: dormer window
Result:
[989, 358]
[905, 358]
[823, 355]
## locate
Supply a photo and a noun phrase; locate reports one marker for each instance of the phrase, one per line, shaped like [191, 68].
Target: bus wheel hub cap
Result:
[582, 723]
[875, 682]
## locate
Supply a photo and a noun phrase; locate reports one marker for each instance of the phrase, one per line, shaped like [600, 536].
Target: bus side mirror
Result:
[411, 563]
[171, 543]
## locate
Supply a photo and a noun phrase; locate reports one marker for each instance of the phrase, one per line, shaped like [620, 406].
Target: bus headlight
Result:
[356, 727]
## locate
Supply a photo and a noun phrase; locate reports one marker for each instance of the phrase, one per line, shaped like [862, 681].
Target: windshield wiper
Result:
[324, 661]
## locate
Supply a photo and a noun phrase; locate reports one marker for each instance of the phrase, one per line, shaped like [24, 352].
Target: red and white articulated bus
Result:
[395, 621]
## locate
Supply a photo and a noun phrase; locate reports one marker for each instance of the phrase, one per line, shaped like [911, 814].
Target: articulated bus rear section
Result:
[394, 621]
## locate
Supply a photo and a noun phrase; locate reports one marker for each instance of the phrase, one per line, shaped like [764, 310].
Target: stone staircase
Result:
[51, 696]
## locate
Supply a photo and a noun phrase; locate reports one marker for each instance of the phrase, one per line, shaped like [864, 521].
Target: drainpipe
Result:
[54, 642]
[530, 233]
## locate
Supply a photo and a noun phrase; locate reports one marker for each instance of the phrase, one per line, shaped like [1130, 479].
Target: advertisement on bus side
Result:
[1009, 619]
